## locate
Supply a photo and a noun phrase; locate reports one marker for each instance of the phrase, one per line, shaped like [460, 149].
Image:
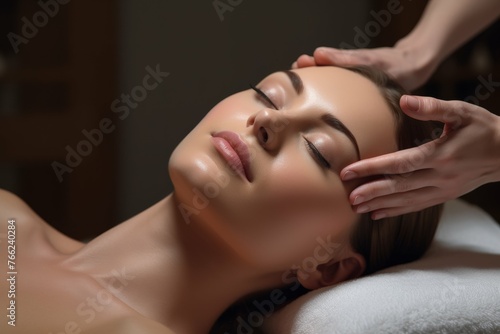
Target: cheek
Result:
[298, 187]
[234, 108]
[296, 206]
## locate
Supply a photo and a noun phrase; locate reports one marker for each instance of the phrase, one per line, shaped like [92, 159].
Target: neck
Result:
[169, 271]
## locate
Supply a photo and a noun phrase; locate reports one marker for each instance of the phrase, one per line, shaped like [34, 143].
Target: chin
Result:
[186, 167]
[194, 173]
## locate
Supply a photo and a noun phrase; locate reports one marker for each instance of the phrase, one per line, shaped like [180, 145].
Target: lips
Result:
[234, 151]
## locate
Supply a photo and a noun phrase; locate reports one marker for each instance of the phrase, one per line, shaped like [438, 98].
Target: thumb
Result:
[424, 108]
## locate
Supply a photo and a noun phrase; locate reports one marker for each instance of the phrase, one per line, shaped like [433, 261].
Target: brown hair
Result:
[396, 240]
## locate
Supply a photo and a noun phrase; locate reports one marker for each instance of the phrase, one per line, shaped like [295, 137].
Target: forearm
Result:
[446, 25]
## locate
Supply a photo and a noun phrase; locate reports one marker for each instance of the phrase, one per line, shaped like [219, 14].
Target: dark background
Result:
[64, 78]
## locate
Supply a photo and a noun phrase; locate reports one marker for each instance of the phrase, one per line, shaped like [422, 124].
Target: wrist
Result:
[423, 58]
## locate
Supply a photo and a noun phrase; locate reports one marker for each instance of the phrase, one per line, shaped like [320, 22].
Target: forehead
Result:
[357, 102]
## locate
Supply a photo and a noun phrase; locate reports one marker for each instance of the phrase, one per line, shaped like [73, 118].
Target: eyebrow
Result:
[296, 81]
[337, 124]
[327, 118]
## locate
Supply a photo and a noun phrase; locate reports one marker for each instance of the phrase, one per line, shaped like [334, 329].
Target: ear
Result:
[350, 266]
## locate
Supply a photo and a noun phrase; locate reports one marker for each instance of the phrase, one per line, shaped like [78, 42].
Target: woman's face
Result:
[275, 202]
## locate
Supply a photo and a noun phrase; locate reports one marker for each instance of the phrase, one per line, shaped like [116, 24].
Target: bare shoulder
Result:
[13, 207]
[29, 223]
[131, 325]
[10, 200]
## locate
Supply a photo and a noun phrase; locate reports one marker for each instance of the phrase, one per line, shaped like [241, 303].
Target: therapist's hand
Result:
[464, 157]
[409, 68]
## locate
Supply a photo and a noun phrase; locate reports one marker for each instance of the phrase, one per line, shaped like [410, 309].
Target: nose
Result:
[268, 126]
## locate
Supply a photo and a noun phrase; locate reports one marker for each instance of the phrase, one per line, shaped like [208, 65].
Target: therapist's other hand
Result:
[408, 68]
[465, 156]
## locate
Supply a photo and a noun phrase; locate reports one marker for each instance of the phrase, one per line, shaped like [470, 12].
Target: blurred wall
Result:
[208, 55]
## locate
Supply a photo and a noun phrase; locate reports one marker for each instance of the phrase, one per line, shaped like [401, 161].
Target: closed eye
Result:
[264, 97]
[317, 154]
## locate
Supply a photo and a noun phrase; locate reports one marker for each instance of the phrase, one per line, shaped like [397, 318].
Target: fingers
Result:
[393, 184]
[304, 61]
[400, 162]
[452, 113]
[332, 56]
[413, 177]
[402, 203]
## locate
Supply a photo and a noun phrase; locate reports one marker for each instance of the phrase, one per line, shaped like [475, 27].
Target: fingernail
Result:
[358, 199]
[363, 209]
[413, 103]
[349, 175]
[379, 215]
